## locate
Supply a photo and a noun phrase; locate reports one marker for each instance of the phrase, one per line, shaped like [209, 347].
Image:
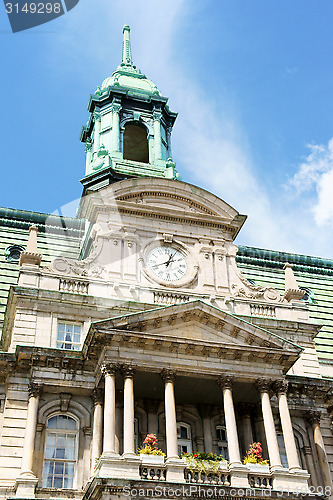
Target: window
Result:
[13, 253]
[222, 444]
[282, 448]
[69, 336]
[135, 143]
[184, 438]
[60, 452]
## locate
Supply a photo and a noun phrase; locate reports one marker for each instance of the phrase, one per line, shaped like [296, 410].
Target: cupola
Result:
[128, 133]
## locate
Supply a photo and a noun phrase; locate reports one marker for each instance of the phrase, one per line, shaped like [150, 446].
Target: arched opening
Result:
[135, 143]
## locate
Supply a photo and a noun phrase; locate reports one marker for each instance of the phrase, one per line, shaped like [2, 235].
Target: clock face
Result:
[167, 263]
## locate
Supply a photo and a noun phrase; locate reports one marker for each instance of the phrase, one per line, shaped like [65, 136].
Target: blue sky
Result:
[251, 80]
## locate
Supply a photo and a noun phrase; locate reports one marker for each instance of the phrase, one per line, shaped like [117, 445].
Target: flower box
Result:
[151, 459]
[258, 468]
[223, 465]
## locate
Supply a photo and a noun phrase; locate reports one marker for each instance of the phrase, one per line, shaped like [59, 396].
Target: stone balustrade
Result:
[134, 468]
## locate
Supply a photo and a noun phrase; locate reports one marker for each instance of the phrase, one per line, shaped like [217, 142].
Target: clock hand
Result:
[170, 259]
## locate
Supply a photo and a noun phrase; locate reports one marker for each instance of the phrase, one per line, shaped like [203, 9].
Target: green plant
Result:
[150, 446]
[203, 462]
[254, 455]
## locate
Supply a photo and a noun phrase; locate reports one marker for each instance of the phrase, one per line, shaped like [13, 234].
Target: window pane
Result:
[61, 335]
[77, 329]
[62, 422]
[49, 452]
[61, 327]
[68, 482]
[58, 468]
[58, 482]
[52, 422]
[77, 337]
[69, 469]
[69, 328]
[71, 423]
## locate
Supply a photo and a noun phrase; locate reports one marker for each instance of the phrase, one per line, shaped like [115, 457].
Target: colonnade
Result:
[104, 422]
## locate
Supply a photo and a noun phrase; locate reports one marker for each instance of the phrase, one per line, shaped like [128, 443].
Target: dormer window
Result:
[13, 253]
[135, 143]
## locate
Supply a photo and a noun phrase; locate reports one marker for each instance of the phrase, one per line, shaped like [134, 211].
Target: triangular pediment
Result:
[198, 323]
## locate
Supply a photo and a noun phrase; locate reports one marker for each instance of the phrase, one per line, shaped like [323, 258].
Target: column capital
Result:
[127, 371]
[313, 416]
[97, 396]
[34, 389]
[168, 375]
[281, 386]
[263, 385]
[225, 382]
[108, 369]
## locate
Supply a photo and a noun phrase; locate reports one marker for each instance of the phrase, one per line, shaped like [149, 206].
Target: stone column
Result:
[97, 130]
[109, 371]
[206, 412]
[271, 437]
[168, 377]
[128, 373]
[157, 115]
[230, 420]
[97, 434]
[30, 430]
[314, 419]
[115, 134]
[287, 428]
[245, 411]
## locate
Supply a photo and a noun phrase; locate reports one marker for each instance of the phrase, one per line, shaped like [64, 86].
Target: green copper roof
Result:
[315, 274]
[127, 75]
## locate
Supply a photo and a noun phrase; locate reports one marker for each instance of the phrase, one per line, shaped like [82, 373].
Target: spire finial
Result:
[127, 52]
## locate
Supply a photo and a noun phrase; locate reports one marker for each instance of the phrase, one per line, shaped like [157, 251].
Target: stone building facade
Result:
[141, 316]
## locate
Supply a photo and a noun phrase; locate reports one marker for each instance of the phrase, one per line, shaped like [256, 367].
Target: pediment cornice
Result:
[195, 328]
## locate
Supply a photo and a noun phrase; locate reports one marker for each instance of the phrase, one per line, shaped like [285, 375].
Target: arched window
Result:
[60, 456]
[135, 143]
[184, 438]
[222, 443]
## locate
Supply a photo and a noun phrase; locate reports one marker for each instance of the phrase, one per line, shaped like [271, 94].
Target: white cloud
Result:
[315, 177]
